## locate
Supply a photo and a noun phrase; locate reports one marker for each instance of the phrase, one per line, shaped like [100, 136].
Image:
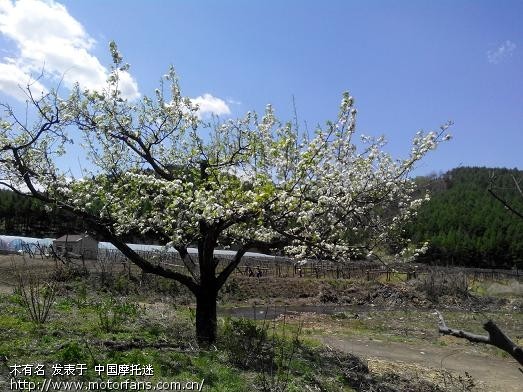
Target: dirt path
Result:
[498, 374]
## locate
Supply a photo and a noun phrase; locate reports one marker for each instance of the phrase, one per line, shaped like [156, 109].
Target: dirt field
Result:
[493, 374]
[11, 265]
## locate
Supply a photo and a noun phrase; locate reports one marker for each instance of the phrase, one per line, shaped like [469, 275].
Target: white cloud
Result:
[209, 104]
[12, 80]
[48, 37]
[502, 52]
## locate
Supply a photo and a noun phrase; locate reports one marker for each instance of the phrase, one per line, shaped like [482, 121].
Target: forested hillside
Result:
[465, 225]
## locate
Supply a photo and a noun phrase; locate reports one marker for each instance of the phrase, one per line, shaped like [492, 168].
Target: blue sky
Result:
[409, 64]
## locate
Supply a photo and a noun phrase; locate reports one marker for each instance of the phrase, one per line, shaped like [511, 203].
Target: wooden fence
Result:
[275, 266]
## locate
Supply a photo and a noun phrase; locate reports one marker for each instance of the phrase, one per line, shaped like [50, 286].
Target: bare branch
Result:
[495, 337]
[516, 183]
[222, 277]
[505, 203]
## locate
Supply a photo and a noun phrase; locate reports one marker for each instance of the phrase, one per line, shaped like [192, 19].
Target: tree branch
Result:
[495, 337]
[188, 261]
[145, 265]
[505, 203]
[227, 271]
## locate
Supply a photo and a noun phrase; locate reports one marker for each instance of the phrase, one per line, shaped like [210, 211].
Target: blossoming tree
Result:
[156, 167]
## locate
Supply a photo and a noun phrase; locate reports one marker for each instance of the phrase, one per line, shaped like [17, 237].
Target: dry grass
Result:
[447, 380]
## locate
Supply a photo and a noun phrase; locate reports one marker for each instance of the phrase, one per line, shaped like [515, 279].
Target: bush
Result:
[250, 346]
[69, 273]
[246, 343]
[37, 297]
[71, 351]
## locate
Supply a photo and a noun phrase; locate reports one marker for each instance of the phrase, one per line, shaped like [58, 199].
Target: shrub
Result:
[69, 352]
[68, 273]
[246, 343]
[262, 348]
[438, 283]
[37, 297]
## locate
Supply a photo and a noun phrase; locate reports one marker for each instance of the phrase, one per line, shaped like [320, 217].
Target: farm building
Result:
[80, 244]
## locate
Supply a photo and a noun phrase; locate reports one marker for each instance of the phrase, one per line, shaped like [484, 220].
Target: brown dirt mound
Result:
[348, 292]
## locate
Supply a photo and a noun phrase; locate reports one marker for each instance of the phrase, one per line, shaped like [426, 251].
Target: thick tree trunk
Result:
[207, 292]
[206, 325]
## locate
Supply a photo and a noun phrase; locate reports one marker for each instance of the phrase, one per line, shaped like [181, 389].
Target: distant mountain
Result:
[464, 224]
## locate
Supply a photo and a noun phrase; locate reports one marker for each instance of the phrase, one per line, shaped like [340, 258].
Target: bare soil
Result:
[376, 293]
[12, 265]
[494, 374]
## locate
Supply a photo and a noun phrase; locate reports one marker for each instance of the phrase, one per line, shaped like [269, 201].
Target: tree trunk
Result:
[207, 292]
[206, 316]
